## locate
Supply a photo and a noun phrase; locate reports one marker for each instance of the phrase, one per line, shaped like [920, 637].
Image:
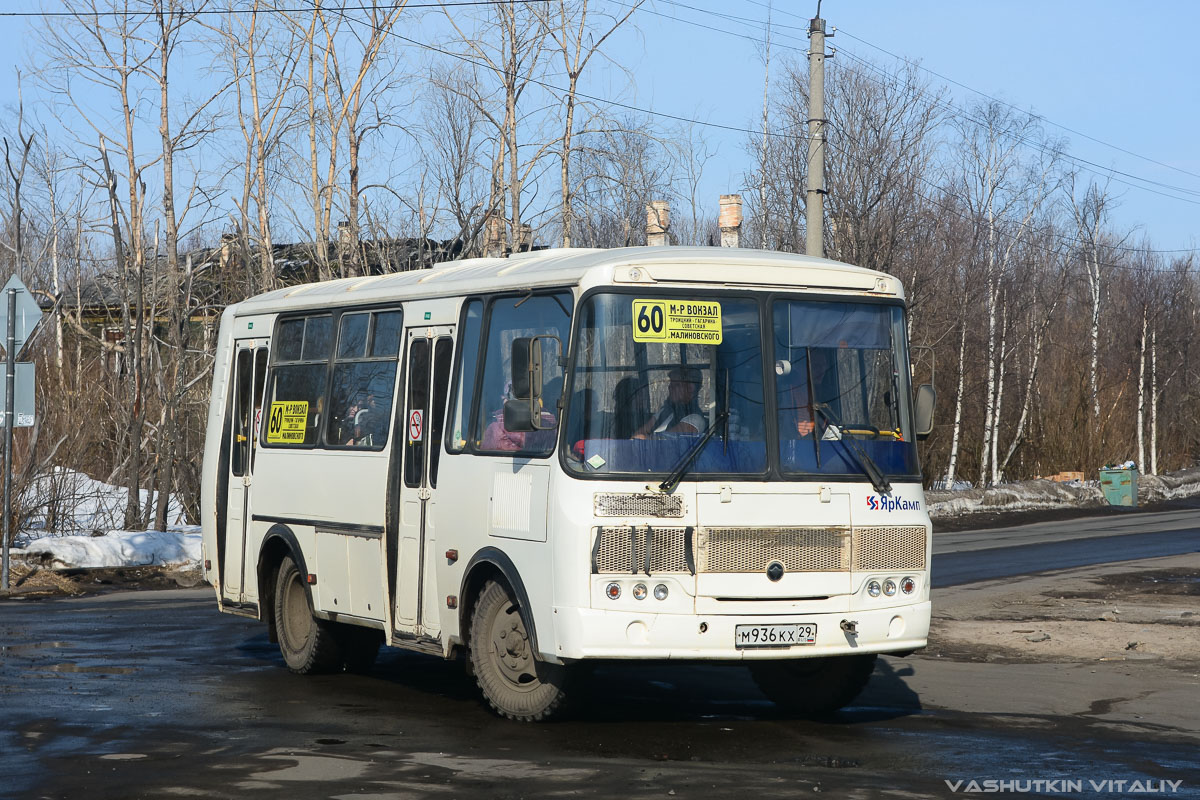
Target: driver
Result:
[681, 412]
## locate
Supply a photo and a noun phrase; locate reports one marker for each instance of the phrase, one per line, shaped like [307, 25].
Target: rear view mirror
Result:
[527, 368]
[518, 416]
[924, 402]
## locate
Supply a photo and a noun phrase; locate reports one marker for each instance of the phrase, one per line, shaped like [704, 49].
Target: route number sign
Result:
[677, 321]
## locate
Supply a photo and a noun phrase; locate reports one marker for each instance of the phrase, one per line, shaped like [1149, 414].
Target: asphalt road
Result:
[961, 557]
[155, 694]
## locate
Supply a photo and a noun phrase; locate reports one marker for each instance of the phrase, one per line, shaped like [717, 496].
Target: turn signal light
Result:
[613, 590]
[908, 585]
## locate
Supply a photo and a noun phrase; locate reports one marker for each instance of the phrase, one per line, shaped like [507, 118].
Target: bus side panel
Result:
[214, 471]
[465, 523]
[341, 488]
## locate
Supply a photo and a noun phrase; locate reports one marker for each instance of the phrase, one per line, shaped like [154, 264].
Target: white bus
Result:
[575, 455]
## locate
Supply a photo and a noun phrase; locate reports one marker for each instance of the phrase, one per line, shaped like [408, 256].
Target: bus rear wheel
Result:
[309, 645]
[813, 687]
[513, 681]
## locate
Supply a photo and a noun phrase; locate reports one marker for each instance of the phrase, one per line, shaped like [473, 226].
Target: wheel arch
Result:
[490, 563]
[279, 542]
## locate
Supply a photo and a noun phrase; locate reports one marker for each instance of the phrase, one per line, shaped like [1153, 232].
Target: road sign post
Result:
[19, 315]
[10, 383]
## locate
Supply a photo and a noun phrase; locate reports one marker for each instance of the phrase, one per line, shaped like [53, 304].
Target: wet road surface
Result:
[967, 556]
[155, 694]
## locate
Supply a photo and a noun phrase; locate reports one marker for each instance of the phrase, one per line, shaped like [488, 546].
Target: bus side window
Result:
[364, 379]
[459, 427]
[295, 394]
[512, 318]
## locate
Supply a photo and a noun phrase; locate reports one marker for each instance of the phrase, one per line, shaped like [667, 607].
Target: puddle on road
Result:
[69, 666]
[18, 649]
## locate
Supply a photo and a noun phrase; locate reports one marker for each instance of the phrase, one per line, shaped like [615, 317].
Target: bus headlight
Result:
[639, 592]
[873, 588]
[660, 592]
[889, 587]
[613, 590]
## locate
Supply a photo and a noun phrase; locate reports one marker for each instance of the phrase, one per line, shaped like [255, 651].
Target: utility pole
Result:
[814, 206]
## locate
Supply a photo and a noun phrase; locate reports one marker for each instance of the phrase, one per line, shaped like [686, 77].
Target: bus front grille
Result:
[754, 549]
[891, 547]
[641, 548]
[633, 549]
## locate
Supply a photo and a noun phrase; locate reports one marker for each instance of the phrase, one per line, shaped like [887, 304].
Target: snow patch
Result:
[117, 549]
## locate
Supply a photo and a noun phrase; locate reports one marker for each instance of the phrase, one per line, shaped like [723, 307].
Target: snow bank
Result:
[1042, 494]
[67, 501]
[1184, 483]
[116, 549]
[1023, 496]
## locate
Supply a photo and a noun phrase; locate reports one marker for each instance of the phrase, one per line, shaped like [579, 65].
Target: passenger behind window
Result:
[680, 413]
[495, 437]
[631, 407]
[370, 424]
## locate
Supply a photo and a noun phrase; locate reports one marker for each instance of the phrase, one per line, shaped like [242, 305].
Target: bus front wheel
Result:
[515, 683]
[309, 645]
[813, 687]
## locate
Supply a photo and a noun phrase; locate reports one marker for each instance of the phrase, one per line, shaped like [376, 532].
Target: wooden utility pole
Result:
[814, 211]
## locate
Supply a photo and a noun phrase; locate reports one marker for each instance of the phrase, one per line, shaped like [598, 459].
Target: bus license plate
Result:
[796, 633]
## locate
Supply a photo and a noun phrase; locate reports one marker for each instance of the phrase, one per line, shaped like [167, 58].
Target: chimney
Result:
[227, 241]
[658, 223]
[524, 239]
[731, 220]
[493, 237]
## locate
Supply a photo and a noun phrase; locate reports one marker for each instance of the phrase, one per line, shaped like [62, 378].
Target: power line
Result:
[1038, 117]
[267, 10]
[1082, 163]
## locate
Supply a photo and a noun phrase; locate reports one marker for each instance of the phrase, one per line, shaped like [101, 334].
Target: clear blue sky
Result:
[1123, 73]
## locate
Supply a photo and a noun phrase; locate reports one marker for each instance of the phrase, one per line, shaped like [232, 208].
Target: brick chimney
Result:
[731, 220]
[493, 237]
[524, 239]
[658, 223]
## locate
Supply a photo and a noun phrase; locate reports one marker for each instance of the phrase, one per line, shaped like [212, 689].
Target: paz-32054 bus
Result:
[574, 455]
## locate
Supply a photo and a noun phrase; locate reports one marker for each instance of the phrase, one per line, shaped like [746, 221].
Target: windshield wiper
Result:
[676, 475]
[865, 463]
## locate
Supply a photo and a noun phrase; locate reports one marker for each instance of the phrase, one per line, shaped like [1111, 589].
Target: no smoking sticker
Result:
[416, 425]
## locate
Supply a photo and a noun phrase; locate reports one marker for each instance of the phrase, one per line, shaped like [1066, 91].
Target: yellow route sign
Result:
[287, 422]
[677, 321]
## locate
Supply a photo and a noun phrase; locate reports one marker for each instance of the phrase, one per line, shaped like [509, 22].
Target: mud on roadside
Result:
[36, 581]
[1146, 610]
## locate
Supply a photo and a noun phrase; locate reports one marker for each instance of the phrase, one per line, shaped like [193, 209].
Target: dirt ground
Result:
[1130, 611]
[37, 581]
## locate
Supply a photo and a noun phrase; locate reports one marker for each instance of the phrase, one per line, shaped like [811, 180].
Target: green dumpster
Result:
[1120, 486]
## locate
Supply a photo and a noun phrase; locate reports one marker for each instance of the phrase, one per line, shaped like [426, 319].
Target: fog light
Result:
[889, 587]
[660, 592]
[613, 590]
[873, 589]
[908, 586]
[639, 592]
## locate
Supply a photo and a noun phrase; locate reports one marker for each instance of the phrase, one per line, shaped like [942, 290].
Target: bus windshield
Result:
[654, 373]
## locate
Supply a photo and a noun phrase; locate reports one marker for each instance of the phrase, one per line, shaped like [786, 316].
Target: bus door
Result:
[427, 375]
[249, 378]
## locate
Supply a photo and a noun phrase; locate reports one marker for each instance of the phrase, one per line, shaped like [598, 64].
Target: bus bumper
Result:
[594, 633]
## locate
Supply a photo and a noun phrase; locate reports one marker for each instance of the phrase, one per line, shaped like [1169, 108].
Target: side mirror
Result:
[529, 384]
[518, 416]
[925, 400]
[526, 360]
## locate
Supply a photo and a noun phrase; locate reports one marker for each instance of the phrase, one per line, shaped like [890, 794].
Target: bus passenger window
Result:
[513, 318]
[360, 398]
[296, 393]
